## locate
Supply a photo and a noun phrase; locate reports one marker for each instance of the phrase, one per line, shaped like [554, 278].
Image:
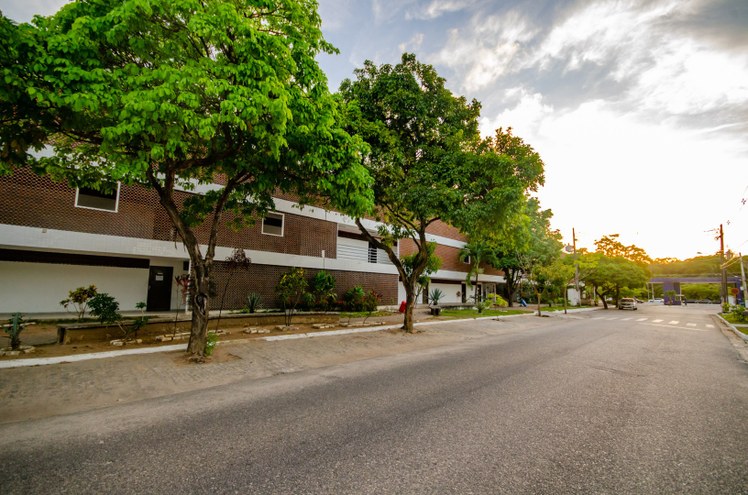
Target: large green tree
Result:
[173, 94]
[428, 161]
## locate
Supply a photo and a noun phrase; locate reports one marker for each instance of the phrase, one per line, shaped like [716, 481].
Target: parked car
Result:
[656, 301]
[627, 303]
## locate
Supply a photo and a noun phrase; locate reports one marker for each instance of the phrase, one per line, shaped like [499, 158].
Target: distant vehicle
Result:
[656, 301]
[627, 303]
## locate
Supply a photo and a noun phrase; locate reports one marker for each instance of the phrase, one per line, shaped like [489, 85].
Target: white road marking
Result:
[673, 322]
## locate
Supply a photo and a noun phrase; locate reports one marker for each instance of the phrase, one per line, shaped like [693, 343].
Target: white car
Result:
[627, 303]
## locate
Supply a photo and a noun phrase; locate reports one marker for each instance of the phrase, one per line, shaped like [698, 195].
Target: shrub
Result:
[105, 308]
[356, 299]
[497, 300]
[210, 343]
[291, 289]
[254, 302]
[436, 296]
[14, 328]
[738, 314]
[79, 299]
[323, 290]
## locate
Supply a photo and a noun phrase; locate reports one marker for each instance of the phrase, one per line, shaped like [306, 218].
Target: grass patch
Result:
[473, 313]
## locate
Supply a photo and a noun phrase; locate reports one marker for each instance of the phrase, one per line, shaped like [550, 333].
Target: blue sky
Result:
[638, 108]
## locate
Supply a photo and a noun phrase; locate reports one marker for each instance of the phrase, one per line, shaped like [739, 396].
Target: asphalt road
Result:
[652, 401]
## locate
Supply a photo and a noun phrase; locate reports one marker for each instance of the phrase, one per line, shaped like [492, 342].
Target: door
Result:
[159, 288]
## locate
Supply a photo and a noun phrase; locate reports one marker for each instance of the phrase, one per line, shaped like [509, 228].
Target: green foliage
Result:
[173, 94]
[725, 307]
[356, 299]
[141, 320]
[254, 302]
[738, 314]
[15, 326]
[210, 343]
[79, 298]
[436, 296]
[497, 301]
[428, 161]
[105, 308]
[291, 289]
[481, 306]
[322, 288]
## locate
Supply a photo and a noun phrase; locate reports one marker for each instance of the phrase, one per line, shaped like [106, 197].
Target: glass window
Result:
[272, 224]
[87, 197]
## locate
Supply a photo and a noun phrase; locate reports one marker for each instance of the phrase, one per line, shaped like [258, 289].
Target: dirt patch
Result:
[43, 336]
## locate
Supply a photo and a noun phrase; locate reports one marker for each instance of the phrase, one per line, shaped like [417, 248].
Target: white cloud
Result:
[437, 8]
[486, 49]
[412, 44]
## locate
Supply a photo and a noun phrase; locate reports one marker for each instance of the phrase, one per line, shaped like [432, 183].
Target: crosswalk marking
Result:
[671, 323]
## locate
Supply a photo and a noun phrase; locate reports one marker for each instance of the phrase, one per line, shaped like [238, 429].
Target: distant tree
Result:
[608, 275]
[428, 162]
[515, 242]
[610, 246]
[169, 95]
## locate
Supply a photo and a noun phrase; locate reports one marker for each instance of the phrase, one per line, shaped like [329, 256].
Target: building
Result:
[54, 238]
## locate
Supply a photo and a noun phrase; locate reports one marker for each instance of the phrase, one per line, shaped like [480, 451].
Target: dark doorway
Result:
[159, 288]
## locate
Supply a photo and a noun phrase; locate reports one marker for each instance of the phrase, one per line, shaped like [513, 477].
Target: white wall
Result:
[39, 287]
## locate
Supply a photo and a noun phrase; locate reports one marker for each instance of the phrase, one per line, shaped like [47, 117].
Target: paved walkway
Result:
[32, 392]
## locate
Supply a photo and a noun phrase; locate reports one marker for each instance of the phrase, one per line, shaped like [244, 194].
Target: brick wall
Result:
[30, 200]
[262, 279]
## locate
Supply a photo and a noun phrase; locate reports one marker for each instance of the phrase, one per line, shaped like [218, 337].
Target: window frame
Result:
[116, 199]
[282, 225]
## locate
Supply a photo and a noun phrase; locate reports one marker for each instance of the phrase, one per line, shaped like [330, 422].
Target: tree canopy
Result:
[428, 161]
[165, 94]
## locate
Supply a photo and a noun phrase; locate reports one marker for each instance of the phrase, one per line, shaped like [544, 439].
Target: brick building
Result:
[54, 238]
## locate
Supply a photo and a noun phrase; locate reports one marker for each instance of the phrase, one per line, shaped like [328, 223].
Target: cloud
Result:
[437, 8]
[486, 49]
[413, 44]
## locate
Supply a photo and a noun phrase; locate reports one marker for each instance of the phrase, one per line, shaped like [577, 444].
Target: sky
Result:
[639, 109]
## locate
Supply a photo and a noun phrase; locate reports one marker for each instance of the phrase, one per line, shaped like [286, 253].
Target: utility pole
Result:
[576, 266]
[745, 288]
[722, 264]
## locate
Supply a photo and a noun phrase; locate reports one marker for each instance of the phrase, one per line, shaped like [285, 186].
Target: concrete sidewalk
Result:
[35, 392]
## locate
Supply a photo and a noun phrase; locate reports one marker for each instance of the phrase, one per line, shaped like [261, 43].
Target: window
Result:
[87, 197]
[467, 260]
[272, 224]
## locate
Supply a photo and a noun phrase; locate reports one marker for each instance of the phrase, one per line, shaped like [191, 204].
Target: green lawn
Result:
[473, 313]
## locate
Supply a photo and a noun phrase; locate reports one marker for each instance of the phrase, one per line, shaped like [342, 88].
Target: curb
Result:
[733, 328]
[18, 363]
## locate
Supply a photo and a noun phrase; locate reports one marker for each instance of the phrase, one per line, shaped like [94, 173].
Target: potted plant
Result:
[436, 296]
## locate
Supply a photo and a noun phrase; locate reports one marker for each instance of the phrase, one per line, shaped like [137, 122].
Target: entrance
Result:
[159, 288]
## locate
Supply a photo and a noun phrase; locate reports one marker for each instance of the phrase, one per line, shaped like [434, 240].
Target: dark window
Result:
[372, 253]
[87, 197]
[272, 224]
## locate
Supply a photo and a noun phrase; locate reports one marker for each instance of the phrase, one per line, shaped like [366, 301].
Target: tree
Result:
[610, 246]
[516, 243]
[475, 253]
[608, 275]
[171, 95]
[427, 161]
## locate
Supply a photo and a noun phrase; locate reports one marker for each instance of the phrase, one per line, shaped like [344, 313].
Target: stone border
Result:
[733, 328]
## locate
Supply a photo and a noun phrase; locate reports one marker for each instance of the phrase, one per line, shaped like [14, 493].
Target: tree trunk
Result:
[200, 311]
[602, 298]
[410, 303]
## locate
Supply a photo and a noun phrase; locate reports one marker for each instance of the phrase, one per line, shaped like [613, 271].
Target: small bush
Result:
[210, 343]
[79, 299]
[254, 302]
[436, 296]
[15, 326]
[322, 288]
[738, 314]
[497, 300]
